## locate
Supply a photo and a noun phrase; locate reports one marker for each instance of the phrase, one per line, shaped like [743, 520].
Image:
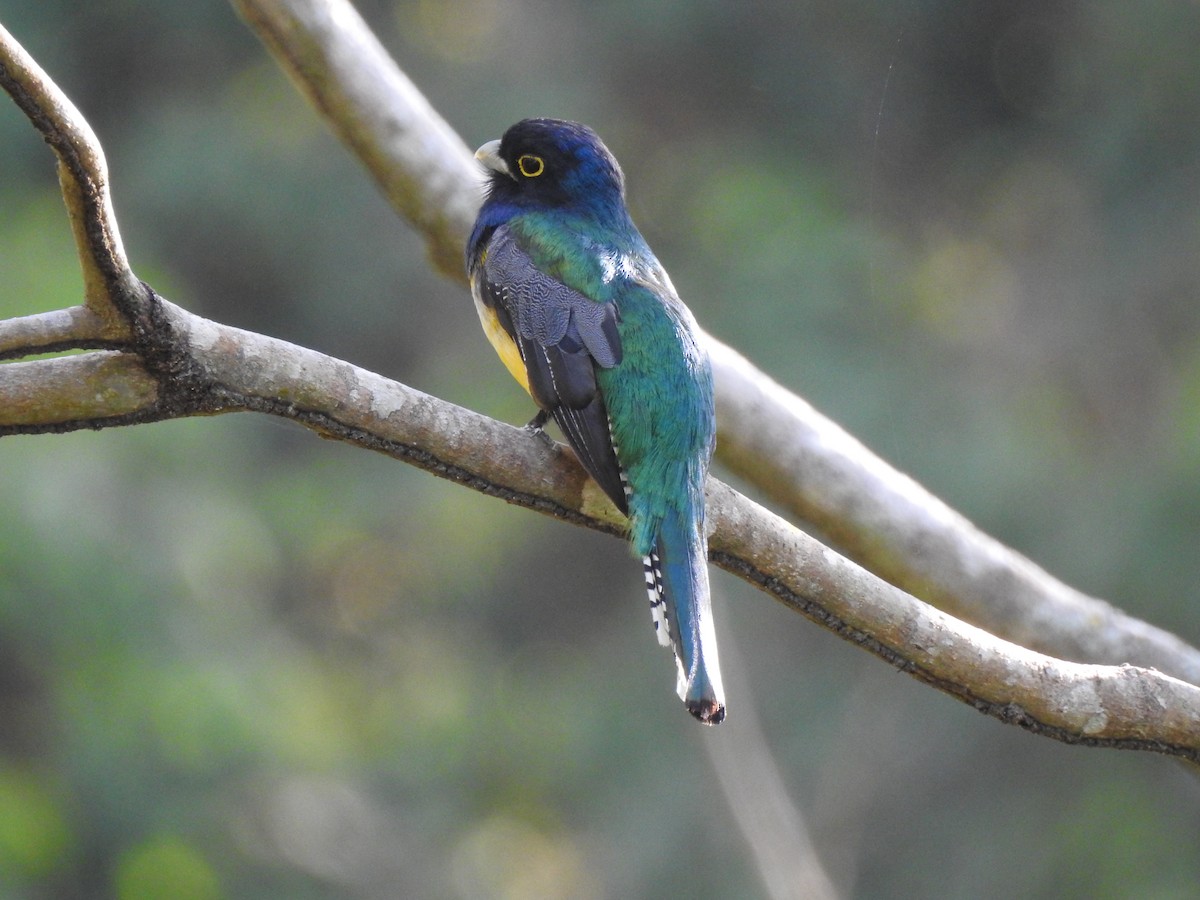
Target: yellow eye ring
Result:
[531, 166]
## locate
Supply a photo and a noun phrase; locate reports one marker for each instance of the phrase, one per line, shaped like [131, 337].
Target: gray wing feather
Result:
[563, 336]
[545, 310]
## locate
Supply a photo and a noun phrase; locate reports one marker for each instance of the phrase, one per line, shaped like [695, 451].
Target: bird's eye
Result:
[531, 166]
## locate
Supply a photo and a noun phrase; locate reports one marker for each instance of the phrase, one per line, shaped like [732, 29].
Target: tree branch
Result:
[884, 520]
[767, 435]
[63, 329]
[420, 163]
[164, 362]
[90, 391]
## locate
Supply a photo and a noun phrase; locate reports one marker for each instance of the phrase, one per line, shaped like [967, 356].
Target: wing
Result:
[562, 336]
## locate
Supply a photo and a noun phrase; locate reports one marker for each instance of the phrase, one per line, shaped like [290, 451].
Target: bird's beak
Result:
[489, 155]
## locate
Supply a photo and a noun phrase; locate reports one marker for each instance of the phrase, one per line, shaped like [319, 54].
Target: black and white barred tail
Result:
[676, 573]
[658, 605]
[677, 584]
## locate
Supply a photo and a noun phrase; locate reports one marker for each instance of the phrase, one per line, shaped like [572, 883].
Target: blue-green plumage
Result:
[585, 317]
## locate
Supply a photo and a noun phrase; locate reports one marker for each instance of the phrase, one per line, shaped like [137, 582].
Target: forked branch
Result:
[149, 359]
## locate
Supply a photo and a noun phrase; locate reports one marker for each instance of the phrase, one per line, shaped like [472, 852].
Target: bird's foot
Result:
[535, 427]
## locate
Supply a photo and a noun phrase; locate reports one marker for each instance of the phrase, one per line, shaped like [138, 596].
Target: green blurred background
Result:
[237, 661]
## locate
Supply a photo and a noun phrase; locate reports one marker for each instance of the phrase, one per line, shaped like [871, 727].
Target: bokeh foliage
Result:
[236, 661]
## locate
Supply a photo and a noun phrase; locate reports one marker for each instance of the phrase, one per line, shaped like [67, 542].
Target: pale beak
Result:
[489, 155]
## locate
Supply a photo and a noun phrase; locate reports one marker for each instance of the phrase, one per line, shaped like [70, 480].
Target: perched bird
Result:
[586, 319]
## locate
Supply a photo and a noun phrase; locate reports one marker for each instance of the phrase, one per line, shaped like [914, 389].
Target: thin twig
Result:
[82, 173]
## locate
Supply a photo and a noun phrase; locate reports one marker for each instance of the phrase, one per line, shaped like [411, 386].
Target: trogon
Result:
[586, 319]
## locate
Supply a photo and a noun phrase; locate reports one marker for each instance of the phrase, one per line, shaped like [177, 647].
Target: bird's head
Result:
[551, 163]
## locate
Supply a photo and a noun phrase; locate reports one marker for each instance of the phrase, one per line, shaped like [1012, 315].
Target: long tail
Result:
[677, 581]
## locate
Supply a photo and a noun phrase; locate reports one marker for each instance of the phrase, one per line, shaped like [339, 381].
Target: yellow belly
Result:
[506, 347]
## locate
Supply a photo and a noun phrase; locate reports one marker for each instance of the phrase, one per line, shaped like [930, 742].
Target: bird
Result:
[587, 321]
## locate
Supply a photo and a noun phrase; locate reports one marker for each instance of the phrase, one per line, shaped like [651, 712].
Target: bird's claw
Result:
[535, 427]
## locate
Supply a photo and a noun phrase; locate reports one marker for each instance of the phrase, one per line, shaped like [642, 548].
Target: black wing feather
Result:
[562, 336]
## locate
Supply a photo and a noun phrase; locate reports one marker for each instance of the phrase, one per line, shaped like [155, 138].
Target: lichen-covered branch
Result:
[897, 529]
[1128, 707]
[147, 359]
[767, 435]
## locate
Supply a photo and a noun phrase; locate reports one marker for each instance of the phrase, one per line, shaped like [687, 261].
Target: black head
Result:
[552, 163]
